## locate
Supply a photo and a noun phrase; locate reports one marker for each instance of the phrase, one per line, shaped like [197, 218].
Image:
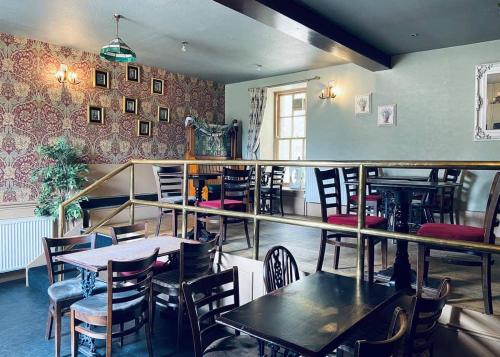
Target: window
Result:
[290, 127]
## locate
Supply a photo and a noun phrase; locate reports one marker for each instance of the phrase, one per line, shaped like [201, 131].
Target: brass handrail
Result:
[257, 217]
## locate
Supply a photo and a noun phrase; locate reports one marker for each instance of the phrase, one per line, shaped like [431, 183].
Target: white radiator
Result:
[20, 241]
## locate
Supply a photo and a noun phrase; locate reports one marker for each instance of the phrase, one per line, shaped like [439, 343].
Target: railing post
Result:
[132, 195]
[185, 200]
[60, 226]
[256, 211]
[360, 264]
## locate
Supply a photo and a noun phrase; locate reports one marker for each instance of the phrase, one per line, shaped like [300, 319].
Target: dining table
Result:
[311, 316]
[90, 262]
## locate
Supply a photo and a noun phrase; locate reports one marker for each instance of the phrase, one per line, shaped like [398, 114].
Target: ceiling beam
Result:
[308, 26]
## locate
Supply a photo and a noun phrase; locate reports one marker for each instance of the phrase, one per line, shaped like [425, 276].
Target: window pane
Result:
[285, 127]
[299, 104]
[284, 150]
[297, 149]
[299, 127]
[286, 105]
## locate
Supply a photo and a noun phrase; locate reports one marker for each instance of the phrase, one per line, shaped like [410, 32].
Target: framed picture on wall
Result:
[95, 115]
[157, 86]
[163, 114]
[101, 79]
[143, 128]
[362, 104]
[386, 115]
[130, 105]
[133, 73]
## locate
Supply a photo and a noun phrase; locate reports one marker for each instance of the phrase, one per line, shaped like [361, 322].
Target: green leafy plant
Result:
[60, 178]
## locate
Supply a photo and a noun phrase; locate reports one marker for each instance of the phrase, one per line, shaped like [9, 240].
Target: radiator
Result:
[20, 241]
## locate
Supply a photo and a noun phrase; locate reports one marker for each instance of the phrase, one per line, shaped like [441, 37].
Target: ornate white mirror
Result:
[487, 114]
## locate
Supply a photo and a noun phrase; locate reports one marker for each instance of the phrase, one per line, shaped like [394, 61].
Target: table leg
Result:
[86, 344]
[401, 274]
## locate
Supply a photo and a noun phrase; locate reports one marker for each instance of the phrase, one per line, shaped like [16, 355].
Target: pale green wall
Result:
[434, 93]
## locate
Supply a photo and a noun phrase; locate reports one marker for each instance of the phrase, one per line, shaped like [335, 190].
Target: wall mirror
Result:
[487, 113]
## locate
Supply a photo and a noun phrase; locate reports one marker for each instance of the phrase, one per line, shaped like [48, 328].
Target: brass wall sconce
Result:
[330, 92]
[63, 75]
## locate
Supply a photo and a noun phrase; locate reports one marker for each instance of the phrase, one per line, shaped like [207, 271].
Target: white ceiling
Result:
[225, 46]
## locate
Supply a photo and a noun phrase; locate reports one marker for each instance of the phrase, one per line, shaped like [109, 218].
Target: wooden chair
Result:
[424, 315]
[351, 174]
[212, 293]
[63, 293]
[129, 298]
[234, 197]
[169, 189]
[195, 260]
[280, 268]
[328, 182]
[463, 233]
[274, 190]
[133, 232]
[389, 346]
[444, 202]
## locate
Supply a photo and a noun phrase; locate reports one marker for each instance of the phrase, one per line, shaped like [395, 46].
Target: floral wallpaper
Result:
[35, 109]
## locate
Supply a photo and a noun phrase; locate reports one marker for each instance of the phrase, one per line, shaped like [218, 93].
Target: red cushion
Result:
[451, 232]
[159, 267]
[352, 220]
[228, 203]
[368, 198]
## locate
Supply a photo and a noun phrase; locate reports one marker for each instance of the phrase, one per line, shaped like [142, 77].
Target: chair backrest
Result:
[388, 347]
[424, 315]
[125, 233]
[328, 182]
[206, 298]
[350, 174]
[277, 175]
[492, 210]
[136, 284]
[235, 185]
[196, 260]
[168, 180]
[54, 247]
[451, 175]
[211, 169]
[280, 268]
[372, 172]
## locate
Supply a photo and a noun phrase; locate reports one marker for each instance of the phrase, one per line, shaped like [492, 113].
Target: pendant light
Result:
[117, 50]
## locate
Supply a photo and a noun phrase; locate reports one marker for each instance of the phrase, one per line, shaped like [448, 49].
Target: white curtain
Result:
[258, 98]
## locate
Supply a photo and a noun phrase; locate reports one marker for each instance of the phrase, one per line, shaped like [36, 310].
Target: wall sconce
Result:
[331, 91]
[63, 75]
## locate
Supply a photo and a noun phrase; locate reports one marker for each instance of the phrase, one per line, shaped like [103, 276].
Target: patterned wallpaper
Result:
[35, 109]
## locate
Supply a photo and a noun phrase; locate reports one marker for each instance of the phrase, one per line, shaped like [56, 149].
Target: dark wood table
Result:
[403, 177]
[401, 192]
[311, 316]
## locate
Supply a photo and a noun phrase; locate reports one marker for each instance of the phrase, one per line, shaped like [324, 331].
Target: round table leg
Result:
[402, 268]
[86, 343]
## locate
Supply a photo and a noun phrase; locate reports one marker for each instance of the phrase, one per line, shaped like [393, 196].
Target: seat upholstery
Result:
[97, 305]
[71, 289]
[169, 279]
[228, 203]
[368, 198]
[352, 220]
[451, 232]
[158, 268]
[242, 345]
[177, 199]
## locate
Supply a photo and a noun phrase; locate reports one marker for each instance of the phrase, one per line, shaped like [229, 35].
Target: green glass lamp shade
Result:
[117, 51]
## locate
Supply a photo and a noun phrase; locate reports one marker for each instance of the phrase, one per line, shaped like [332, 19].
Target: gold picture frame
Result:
[100, 78]
[95, 115]
[157, 86]
[143, 128]
[163, 114]
[133, 73]
[130, 105]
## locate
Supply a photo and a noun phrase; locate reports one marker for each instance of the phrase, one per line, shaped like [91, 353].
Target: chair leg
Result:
[180, 319]
[148, 330]
[322, 248]
[336, 254]
[50, 321]
[281, 202]
[121, 337]
[74, 344]
[486, 277]
[174, 223]
[195, 226]
[371, 258]
[271, 199]
[383, 251]
[420, 268]
[109, 342]
[158, 222]
[57, 318]
[245, 226]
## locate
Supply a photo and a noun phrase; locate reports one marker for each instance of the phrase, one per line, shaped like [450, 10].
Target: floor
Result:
[23, 310]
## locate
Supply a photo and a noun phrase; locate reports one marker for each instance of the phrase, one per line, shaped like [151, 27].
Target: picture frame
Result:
[143, 128]
[157, 86]
[95, 115]
[362, 104]
[133, 73]
[100, 78]
[163, 114]
[130, 105]
[386, 115]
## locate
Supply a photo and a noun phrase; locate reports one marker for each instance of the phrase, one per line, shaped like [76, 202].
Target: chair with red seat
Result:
[351, 174]
[328, 182]
[234, 197]
[463, 233]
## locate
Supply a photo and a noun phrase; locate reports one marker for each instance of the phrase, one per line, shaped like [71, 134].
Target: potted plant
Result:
[63, 174]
